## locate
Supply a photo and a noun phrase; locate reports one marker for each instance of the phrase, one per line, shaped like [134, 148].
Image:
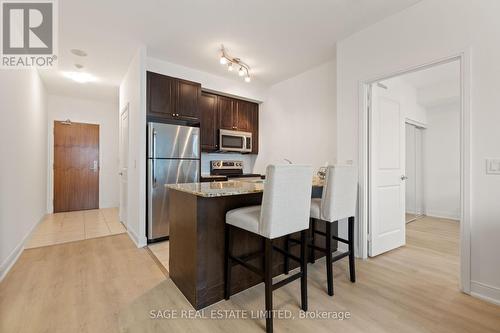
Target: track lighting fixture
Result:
[225, 59]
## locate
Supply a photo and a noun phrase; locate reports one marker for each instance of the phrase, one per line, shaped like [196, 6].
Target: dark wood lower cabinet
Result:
[197, 246]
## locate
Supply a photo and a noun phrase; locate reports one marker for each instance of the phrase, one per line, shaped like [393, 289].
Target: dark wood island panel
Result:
[197, 246]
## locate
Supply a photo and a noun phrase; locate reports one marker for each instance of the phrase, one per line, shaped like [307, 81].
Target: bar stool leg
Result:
[263, 247]
[303, 269]
[268, 281]
[352, 270]
[287, 260]
[313, 237]
[228, 264]
[329, 259]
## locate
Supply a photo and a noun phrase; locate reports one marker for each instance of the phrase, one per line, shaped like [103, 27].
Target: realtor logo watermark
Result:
[29, 34]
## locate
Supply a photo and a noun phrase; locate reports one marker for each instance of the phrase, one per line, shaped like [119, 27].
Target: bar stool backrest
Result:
[340, 193]
[286, 200]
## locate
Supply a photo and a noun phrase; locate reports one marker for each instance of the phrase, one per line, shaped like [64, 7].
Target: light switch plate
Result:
[493, 166]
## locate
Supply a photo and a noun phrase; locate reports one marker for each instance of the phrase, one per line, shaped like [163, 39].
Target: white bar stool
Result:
[338, 202]
[285, 210]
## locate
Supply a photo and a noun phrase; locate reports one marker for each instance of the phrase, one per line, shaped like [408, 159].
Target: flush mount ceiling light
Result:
[78, 52]
[80, 77]
[225, 59]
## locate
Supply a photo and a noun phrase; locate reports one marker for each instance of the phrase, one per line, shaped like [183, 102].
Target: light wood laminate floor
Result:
[61, 228]
[108, 285]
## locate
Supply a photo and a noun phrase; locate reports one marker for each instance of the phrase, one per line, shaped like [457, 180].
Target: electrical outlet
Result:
[493, 166]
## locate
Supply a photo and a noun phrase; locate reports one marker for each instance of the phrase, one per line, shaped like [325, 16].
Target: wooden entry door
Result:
[76, 166]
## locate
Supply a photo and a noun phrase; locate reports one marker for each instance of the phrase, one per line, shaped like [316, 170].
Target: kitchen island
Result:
[197, 221]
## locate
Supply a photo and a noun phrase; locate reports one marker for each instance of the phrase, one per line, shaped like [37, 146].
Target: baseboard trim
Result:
[139, 241]
[7, 265]
[442, 215]
[485, 292]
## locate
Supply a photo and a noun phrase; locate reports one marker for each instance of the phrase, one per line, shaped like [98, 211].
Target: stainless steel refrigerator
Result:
[173, 158]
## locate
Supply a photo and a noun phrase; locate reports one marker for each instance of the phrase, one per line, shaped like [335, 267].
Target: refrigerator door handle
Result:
[154, 158]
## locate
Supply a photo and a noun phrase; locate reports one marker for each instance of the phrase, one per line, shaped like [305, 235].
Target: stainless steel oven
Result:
[235, 141]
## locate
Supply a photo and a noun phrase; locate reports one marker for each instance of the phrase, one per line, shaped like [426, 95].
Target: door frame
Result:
[363, 158]
[50, 160]
[126, 108]
[421, 127]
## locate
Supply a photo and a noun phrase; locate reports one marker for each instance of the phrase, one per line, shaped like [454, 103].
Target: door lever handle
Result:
[403, 177]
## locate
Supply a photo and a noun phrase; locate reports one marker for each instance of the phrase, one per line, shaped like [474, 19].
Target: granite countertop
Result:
[212, 176]
[227, 188]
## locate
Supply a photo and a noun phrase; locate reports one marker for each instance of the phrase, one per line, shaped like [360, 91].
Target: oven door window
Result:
[229, 141]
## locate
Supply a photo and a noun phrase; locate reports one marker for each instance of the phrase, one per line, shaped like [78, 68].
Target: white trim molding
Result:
[7, 265]
[442, 214]
[139, 241]
[361, 246]
[485, 292]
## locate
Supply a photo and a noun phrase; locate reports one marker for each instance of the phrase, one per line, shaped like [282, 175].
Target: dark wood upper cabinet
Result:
[208, 122]
[160, 95]
[171, 98]
[239, 115]
[255, 128]
[188, 94]
[244, 121]
[182, 102]
[226, 109]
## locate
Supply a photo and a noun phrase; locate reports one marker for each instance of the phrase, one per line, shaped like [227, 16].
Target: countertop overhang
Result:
[228, 188]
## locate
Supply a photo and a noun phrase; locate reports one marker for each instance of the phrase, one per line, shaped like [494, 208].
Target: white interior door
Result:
[124, 142]
[387, 181]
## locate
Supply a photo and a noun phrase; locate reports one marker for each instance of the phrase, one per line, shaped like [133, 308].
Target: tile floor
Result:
[74, 226]
[161, 251]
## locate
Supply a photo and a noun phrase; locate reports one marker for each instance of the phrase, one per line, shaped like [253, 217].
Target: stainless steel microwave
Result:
[235, 141]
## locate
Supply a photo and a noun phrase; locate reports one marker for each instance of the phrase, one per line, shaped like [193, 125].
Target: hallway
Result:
[61, 228]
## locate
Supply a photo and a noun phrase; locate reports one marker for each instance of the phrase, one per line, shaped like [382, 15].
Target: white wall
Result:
[441, 159]
[445, 92]
[23, 171]
[297, 120]
[93, 112]
[133, 93]
[425, 32]
[406, 94]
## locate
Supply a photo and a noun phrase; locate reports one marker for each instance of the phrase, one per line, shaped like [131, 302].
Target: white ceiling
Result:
[278, 38]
